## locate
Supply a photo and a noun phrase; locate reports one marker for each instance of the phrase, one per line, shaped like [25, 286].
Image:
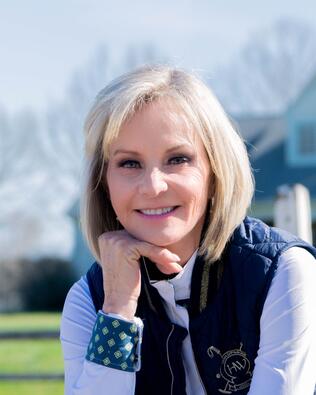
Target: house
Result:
[282, 150]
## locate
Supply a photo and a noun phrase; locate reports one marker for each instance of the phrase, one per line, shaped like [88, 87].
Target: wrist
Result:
[126, 311]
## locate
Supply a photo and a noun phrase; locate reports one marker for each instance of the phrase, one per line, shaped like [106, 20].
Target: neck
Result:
[183, 250]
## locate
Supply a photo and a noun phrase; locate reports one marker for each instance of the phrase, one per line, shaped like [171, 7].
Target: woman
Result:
[187, 294]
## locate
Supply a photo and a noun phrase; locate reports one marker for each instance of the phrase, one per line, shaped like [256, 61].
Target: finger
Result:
[169, 268]
[166, 261]
[155, 253]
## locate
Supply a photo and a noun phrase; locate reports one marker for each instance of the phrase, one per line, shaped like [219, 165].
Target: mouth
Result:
[154, 212]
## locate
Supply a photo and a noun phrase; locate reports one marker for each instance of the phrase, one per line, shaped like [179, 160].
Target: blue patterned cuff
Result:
[115, 343]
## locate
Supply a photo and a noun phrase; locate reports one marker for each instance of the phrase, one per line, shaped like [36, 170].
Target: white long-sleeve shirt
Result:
[286, 361]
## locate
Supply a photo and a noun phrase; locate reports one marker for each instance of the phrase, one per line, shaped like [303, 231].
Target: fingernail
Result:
[179, 267]
[176, 258]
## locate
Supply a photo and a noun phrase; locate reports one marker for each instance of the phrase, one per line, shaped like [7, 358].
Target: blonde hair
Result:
[232, 182]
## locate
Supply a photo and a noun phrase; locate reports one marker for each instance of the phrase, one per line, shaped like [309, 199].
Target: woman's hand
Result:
[120, 254]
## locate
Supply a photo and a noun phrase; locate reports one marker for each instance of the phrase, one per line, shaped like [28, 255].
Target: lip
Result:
[155, 216]
[157, 208]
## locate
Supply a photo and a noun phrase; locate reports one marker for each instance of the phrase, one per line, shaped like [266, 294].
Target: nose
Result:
[153, 183]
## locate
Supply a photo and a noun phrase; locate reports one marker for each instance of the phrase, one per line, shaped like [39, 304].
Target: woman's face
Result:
[158, 178]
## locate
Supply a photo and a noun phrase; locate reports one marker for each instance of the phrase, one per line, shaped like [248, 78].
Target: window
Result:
[301, 143]
[307, 139]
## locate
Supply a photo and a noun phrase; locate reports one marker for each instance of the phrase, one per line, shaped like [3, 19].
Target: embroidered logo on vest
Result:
[234, 371]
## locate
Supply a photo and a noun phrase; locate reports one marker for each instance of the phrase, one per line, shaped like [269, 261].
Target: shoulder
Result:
[257, 252]
[253, 235]
[253, 231]
[78, 303]
[79, 292]
[297, 266]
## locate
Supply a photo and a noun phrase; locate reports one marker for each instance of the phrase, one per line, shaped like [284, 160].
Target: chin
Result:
[161, 241]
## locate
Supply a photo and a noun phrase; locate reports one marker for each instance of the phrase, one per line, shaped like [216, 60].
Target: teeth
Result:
[158, 211]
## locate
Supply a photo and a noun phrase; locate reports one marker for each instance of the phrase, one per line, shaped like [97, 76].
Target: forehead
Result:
[159, 122]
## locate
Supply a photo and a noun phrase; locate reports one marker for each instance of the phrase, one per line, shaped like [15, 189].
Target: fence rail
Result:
[19, 335]
[31, 376]
[33, 335]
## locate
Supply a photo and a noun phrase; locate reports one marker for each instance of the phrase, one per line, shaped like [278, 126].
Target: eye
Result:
[178, 160]
[129, 164]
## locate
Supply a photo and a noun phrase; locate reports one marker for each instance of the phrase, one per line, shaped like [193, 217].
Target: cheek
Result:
[193, 189]
[116, 189]
[197, 184]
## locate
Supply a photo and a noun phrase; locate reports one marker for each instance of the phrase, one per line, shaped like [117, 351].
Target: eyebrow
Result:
[130, 152]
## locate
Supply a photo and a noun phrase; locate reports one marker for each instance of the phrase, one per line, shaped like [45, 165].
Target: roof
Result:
[309, 83]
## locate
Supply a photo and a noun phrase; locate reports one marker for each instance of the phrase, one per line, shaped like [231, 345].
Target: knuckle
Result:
[131, 253]
[161, 252]
[119, 244]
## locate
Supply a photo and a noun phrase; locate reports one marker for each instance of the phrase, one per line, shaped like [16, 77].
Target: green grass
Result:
[31, 356]
[32, 388]
[29, 321]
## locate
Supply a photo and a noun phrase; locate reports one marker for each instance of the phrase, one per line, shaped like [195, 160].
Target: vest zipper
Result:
[169, 364]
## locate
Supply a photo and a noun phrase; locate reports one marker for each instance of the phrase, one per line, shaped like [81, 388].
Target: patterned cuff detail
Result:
[115, 343]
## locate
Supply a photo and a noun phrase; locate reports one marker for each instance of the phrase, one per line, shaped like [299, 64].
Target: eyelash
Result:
[130, 164]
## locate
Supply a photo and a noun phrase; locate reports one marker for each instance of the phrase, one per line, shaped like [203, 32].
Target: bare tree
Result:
[6, 145]
[19, 138]
[270, 70]
[64, 138]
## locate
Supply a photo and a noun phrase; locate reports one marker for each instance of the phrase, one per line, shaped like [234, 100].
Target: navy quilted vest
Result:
[226, 303]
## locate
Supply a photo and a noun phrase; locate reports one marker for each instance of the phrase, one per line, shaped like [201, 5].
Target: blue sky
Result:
[44, 43]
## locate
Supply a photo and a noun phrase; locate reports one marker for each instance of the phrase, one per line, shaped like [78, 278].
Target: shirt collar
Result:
[181, 282]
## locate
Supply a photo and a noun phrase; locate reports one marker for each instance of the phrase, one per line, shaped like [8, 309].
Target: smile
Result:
[157, 211]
